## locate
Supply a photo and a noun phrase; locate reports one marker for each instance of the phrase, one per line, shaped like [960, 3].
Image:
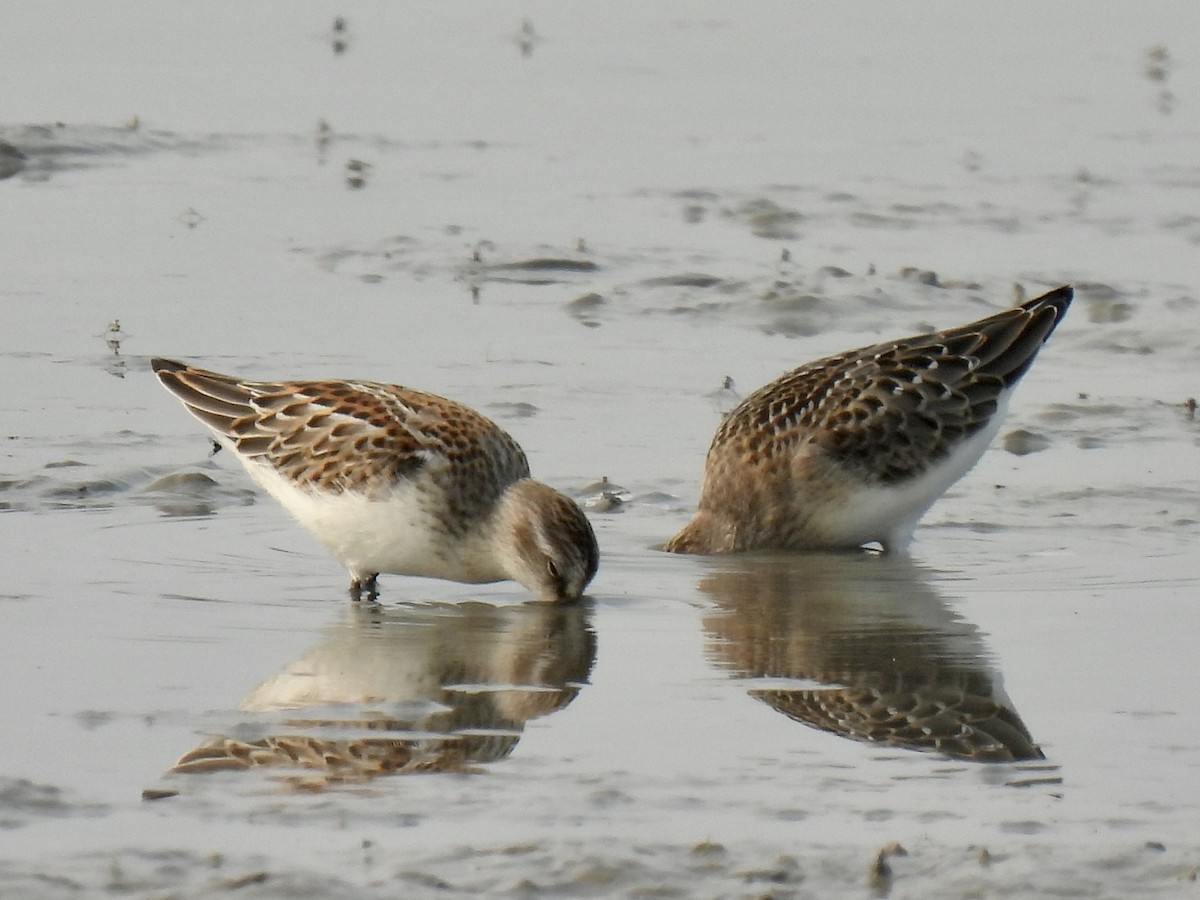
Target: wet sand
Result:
[598, 232]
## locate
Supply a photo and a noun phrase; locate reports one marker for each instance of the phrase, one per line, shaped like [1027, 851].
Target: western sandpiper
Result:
[853, 449]
[394, 480]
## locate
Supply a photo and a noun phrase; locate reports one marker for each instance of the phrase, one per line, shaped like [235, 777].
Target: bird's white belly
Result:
[400, 533]
[889, 513]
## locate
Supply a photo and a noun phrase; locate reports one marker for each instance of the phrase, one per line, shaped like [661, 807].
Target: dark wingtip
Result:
[1056, 300]
[1046, 312]
[159, 364]
[1059, 298]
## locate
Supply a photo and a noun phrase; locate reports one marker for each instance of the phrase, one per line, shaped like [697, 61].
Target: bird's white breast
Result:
[889, 513]
[403, 531]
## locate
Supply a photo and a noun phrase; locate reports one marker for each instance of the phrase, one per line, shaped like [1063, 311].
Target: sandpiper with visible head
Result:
[853, 449]
[395, 480]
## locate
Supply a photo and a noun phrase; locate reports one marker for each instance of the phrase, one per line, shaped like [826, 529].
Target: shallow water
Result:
[603, 277]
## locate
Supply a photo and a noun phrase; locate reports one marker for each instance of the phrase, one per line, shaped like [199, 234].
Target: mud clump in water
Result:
[1021, 442]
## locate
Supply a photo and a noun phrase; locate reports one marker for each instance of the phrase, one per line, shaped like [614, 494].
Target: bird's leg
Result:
[364, 588]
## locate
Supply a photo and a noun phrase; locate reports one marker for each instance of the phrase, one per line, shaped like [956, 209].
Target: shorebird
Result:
[853, 449]
[395, 480]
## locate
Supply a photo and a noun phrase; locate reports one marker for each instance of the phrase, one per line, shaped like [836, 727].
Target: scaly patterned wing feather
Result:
[944, 718]
[363, 436]
[892, 410]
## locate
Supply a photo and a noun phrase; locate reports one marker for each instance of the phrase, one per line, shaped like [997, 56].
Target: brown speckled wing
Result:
[890, 411]
[362, 436]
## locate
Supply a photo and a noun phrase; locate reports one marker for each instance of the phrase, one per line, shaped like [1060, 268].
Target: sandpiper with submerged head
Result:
[395, 480]
[853, 449]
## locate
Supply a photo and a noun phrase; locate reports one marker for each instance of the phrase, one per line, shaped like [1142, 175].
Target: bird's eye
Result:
[552, 569]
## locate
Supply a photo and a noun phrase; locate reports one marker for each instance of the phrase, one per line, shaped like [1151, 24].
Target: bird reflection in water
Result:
[892, 664]
[419, 689]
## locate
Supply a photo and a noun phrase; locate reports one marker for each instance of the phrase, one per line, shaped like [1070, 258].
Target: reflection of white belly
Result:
[416, 663]
[401, 533]
[329, 676]
[349, 670]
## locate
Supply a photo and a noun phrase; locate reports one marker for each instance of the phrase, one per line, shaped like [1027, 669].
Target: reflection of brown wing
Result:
[328, 762]
[957, 723]
[901, 668]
